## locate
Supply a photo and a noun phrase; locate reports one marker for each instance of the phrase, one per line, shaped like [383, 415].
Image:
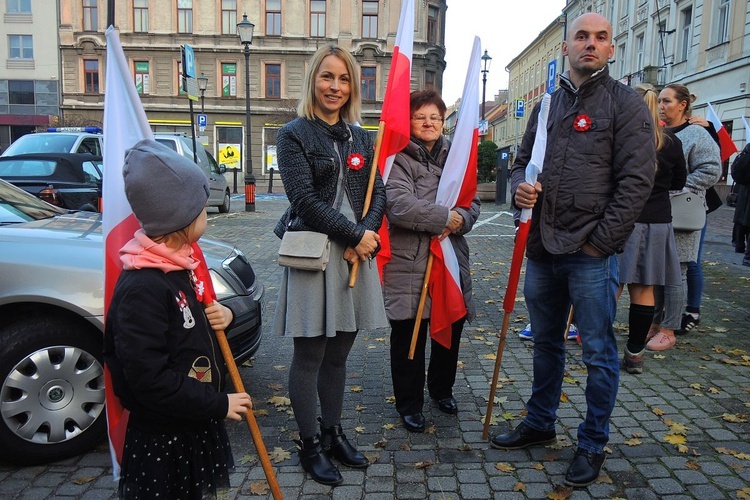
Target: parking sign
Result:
[520, 104]
[551, 76]
[188, 62]
[202, 120]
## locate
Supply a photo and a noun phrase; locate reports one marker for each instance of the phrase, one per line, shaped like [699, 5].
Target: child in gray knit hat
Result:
[163, 358]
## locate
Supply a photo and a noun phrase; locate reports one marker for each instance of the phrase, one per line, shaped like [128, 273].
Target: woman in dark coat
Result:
[414, 219]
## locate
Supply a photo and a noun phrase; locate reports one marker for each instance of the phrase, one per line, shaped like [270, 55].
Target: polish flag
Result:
[725, 140]
[457, 188]
[394, 117]
[125, 124]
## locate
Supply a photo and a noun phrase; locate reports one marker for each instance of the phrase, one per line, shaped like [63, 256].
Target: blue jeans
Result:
[695, 278]
[590, 285]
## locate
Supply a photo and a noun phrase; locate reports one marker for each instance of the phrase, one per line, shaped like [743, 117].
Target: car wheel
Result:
[51, 390]
[224, 207]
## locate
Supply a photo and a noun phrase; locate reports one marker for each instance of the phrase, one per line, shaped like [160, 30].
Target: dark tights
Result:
[318, 371]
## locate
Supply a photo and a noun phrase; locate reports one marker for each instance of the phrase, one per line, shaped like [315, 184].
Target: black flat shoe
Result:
[447, 405]
[413, 423]
[522, 437]
[585, 468]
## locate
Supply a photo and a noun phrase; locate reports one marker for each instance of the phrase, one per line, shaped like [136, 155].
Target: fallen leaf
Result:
[633, 442]
[735, 418]
[260, 413]
[491, 355]
[659, 356]
[520, 487]
[743, 494]
[560, 492]
[564, 398]
[259, 488]
[504, 467]
[432, 429]
[539, 466]
[279, 455]
[83, 480]
[674, 439]
[279, 367]
[356, 388]
[381, 443]
[280, 401]
[713, 390]
[658, 412]
[721, 329]
[464, 447]
[508, 415]
[390, 399]
[678, 428]
[693, 465]
[389, 427]
[359, 429]
[682, 448]
[697, 387]
[405, 446]
[360, 408]
[275, 387]
[424, 465]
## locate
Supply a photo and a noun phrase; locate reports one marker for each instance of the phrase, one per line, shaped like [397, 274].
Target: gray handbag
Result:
[688, 211]
[305, 250]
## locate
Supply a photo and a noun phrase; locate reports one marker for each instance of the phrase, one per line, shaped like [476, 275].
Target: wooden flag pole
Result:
[368, 196]
[420, 309]
[260, 447]
[495, 375]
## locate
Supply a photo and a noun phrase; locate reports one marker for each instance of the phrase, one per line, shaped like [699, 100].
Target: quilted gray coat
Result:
[413, 219]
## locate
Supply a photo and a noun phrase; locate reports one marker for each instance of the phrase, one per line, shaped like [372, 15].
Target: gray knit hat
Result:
[166, 190]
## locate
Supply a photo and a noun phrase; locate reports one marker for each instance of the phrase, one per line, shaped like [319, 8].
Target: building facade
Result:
[29, 68]
[703, 44]
[287, 33]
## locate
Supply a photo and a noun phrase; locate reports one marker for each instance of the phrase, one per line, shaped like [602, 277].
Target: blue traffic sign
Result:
[551, 76]
[520, 105]
[188, 61]
[202, 120]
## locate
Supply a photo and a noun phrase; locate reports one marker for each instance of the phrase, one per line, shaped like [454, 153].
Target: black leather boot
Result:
[317, 463]
[334, 442]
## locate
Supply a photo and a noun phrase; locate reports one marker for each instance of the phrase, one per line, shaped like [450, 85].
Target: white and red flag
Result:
[457, 188]
[125, 124]
[726, 144]
[395, 116]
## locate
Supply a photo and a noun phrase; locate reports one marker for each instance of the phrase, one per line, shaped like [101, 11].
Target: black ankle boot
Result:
[317, 463]
[334, 442]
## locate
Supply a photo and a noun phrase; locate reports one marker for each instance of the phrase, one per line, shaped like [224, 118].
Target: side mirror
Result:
[222, 168]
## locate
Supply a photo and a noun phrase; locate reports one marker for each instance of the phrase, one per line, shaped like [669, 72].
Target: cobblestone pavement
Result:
[678, 431]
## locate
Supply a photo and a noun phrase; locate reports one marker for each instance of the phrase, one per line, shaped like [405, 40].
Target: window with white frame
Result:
[624, 8]
[184, 16]
[91, 76]
[273, 17]
[686, 32]
[20, 47]
[640, 42]
[228, 17]
[142, 80]
[90, 15]
[18, 7]
[621, 60]
[370, 18]
[317, 18]
[369, 80]
[722, 22]
[660, 45]
[273, 81]
[140, 16]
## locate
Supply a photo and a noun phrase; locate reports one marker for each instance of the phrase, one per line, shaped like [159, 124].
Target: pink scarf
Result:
[141, 252]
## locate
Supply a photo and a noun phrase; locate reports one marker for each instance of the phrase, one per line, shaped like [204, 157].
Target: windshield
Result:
[41, 143]
[16, 205]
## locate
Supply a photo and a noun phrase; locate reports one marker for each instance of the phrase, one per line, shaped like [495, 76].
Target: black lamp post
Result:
[487, 61]
[202, 86]
[245, 31]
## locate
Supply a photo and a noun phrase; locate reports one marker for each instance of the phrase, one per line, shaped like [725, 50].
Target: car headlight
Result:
[222, 288]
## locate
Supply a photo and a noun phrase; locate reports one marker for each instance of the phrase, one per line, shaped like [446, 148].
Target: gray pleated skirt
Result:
[315, 303]
[650, 256]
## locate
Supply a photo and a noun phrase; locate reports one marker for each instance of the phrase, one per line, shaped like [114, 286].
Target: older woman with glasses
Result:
[414, 219]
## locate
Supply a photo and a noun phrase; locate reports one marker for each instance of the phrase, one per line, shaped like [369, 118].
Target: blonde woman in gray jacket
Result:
[413, 220]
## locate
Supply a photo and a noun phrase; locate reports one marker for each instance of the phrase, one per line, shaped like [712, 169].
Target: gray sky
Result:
[505, 28]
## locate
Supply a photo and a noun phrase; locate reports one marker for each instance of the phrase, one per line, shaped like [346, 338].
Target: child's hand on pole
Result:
[219, 316]
[239, 404]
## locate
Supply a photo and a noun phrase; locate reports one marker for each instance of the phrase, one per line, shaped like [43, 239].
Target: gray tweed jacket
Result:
[311, 155]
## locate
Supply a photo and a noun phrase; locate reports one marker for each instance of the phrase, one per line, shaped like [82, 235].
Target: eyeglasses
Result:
[423, 118]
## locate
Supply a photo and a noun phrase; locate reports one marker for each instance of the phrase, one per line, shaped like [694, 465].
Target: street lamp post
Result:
[202, 86]
[487, 61]
[245, 31]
